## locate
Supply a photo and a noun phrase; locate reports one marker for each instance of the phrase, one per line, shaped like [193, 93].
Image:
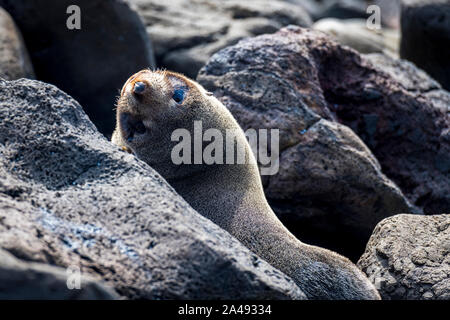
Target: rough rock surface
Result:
[397, 110]
[292, 79]
[408, 257]
[28, 280]
[424, 137]
[91, 64]
[14, 60]
[426, 37]
[186, 33]
[70, 198]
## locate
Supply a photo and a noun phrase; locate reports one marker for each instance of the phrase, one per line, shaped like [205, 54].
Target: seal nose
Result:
[139, 88]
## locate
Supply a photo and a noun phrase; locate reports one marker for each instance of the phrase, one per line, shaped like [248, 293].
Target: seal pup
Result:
[151, 106]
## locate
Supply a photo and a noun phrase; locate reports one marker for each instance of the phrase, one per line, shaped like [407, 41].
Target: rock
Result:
[68, 197]
[352, 9]
[343, 9]
[330, 190]
[408, 257]
[425, 37]
[21, 280]
[92, 63]
[14, 60]
[185, 33]
[423, 164]
[190, 60]
[355, 34]
[312, 7]
[397, 110]
[279, 11]
[292, 79]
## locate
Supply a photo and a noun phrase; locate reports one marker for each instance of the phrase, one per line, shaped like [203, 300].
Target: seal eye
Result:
[139, 87]
[178, 95]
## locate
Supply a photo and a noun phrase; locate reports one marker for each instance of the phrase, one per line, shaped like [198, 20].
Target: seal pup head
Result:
[152, 105]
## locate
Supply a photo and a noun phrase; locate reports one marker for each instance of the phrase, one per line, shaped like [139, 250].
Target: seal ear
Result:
[177, 82]
[180, 88]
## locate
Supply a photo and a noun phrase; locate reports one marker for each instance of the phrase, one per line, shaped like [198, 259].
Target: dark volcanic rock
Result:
[418, 136]
[408, 257]
[90, 64]
[186, 33]
[292, 79]
[28, 280]
[68, 197]
[14, 60]
[426, 37]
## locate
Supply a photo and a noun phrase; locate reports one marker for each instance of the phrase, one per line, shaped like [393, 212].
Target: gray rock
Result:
[425, 37]
[355, 34]
[92, 63]
[186, 33]
[406, 73]
[352, 9]
[279, 11]
[69, 197]
[14, 60]
[396, 109]
[189, 61]
[408, 257]
[428, 178]
[21, 280]
[330, 190]
[343, 9]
